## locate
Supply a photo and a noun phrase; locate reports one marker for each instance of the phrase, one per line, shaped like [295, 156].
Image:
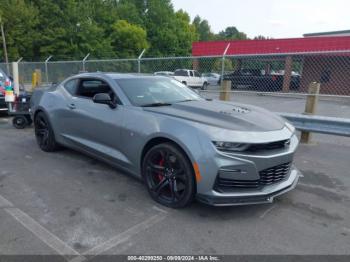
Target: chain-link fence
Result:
[6, 68]
[282, 73]
[277, 82]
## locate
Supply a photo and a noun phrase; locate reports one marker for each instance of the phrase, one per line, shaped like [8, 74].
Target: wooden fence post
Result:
[310, 108]
[225, 90]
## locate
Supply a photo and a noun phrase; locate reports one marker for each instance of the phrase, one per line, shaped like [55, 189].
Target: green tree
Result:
[231, 33]
[19, 19]
[69, 30]
[261, 37]
[129, 11]
[169, 33]
[203, 29]
[128, 40]
[186, 33]
[218, 65]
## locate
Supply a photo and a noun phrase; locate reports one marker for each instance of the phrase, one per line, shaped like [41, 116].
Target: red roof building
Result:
[321, 58]
[272, 46]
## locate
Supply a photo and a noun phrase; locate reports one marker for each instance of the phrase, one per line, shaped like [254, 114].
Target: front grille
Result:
[274, 174]
[269, 146]
[268, 176]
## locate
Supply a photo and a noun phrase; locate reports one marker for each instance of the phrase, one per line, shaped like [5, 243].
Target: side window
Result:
[181, 73]
[89, 87]
[191, 73]
[71, 86]
[196, 74]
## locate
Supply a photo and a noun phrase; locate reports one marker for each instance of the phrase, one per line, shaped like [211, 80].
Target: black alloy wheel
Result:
[168, 175]
[44, 133]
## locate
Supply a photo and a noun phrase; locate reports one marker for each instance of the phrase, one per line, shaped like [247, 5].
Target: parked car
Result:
[212, 78]
[164, 73]
[3, 79]
[256, 79]
[191, 78]
[181, 145]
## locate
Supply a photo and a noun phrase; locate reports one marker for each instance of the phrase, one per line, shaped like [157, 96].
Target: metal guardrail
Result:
[319, 124]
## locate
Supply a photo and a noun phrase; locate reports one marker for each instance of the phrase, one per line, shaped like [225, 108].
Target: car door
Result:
[191, 78]
[246, 78]
[197, 78]
[95, 127]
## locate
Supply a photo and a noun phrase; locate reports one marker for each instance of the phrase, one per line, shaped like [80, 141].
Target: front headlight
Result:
[230, 146]
[290, 127]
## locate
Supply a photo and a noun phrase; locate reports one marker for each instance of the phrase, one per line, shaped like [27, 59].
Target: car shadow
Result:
[197, 209]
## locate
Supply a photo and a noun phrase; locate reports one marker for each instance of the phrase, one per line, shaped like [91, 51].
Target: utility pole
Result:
[4, 45]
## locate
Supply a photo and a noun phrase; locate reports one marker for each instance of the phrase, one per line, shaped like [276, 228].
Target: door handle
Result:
[71, 106]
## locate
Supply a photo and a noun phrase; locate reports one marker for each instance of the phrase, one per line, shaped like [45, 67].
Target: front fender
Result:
[141, 127]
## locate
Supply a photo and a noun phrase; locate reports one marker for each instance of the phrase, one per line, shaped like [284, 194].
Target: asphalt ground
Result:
[68, 204]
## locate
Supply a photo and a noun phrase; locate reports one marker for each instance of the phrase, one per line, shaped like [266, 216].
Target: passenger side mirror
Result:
[104, 98]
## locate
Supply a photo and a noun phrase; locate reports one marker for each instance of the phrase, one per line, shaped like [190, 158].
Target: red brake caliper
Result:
[160, 173]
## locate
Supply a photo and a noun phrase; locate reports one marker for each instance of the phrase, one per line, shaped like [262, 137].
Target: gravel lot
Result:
[68, 204]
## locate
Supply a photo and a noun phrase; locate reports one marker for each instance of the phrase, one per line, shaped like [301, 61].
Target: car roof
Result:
[118, 75]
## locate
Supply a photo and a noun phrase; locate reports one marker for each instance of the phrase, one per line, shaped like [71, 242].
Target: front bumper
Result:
[263, 196]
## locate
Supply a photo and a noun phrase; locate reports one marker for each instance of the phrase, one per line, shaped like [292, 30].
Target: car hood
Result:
[228, 115]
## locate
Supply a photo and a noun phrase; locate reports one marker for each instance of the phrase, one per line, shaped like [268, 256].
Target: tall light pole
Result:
[4, 45]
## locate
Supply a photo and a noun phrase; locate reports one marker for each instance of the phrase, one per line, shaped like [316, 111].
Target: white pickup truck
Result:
[191, 78]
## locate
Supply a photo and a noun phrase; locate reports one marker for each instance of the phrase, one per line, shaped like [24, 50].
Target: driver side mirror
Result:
[104, 98]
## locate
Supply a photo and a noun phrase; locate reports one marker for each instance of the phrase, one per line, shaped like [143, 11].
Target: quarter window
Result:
[71, 86]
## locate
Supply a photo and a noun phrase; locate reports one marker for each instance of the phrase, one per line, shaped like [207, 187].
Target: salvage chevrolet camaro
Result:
[182, 146]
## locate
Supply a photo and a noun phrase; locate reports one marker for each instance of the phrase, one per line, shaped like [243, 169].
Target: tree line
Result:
[69, 29]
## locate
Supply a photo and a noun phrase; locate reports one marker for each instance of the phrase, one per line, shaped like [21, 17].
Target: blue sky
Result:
[273, 18]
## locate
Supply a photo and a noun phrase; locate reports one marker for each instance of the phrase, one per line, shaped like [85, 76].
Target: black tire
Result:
[168, 175]
[20, 122]
[185, 83]
[205, 86]
[44, 134]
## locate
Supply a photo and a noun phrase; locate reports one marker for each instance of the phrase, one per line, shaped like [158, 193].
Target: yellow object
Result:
[34, 80]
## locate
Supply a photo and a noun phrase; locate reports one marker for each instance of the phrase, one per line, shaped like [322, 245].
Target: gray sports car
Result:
[181, 145]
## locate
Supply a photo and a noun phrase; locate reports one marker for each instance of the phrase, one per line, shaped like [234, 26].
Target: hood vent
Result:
[236, 109]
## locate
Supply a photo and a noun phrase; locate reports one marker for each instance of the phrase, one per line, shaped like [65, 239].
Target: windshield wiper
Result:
[156, 104]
